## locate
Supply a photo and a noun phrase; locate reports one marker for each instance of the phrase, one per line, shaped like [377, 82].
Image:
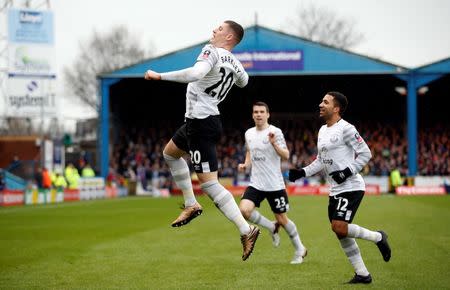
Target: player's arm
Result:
[188, 75]
[247, 163]
[242, 80]
[279, 144]
[363, 154]
[313, 168]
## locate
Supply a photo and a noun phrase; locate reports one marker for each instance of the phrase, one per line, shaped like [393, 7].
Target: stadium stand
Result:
[141, 154]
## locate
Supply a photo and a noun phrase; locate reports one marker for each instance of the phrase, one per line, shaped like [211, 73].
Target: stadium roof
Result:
[317, 58]
[312, 59]
[440, 67]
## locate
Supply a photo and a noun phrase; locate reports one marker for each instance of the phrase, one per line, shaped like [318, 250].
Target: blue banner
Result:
[271, 60]
[30, 26]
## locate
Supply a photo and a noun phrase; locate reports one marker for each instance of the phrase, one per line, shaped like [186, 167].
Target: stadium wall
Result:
[89, 189]
[24, 147]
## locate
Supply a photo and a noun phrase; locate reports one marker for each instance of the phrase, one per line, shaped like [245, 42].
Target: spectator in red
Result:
[46, 179]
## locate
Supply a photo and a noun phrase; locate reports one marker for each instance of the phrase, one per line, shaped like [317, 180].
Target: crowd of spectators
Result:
[139, 156]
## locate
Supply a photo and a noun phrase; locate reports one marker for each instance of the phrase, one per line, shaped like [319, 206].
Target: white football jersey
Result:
[340, 146]
[266, 163]
[204, 95]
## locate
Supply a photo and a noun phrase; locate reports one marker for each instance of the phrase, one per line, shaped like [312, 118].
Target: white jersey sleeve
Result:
[192, 74]
[362, 151]
[208, 55]
[315, 167]
[242, 80]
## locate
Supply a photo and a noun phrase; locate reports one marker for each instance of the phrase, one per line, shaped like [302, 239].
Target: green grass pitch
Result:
[129, 244]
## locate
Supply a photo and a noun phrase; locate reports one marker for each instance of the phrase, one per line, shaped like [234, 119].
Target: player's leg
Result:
[202, 137]
[341, 210]
[378, 237]
[356, 231]
[252, 198]
[292, 231]
[279, 203]
[223, 199]
[173, 155]
[352, 230]
[353, 254]
[225, 202]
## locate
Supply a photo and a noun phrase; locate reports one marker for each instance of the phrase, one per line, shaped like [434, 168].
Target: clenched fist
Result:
[152, 75]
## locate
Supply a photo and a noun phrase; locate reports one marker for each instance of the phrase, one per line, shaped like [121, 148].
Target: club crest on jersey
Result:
[206, 54]
[334, 138]
[358, 138]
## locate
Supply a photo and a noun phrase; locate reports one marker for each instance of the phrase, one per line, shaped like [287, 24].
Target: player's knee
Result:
[282, 219]
[167, 150]
[245, 212]
[172, 151]
[340, 229]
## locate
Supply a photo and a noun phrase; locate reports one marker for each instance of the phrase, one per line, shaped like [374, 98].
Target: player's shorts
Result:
[343, 206]
[199, 138]
[278, 200]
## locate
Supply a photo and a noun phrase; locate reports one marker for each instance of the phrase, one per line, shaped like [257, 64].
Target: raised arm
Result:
[188, 75]
[279, 144]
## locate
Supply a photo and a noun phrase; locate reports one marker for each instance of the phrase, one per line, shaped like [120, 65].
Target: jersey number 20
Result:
[225, 84]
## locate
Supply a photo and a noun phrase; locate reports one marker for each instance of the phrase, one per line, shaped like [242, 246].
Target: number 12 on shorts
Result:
[342, 206]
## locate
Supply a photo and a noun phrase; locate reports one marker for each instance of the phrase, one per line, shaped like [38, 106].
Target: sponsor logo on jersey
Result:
[324, 154]
[257, 155]
[259, 158]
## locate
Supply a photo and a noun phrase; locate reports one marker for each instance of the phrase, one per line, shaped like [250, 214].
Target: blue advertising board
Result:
[284, 60]
[30, 26]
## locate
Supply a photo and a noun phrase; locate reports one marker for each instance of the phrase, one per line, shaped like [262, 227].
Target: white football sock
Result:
[291, 229]
[182, 177]
[351, 249]
[355, 231]
[226, 204]
[257, 218]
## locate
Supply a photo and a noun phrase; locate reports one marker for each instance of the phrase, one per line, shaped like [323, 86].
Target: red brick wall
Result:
[23, 147]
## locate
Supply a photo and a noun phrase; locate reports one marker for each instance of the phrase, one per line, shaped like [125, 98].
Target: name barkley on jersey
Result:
[230, 60]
